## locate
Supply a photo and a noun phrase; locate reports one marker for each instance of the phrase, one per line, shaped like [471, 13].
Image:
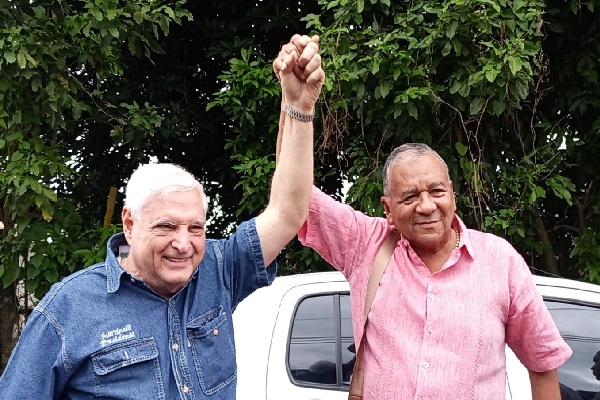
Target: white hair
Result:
[156, 180]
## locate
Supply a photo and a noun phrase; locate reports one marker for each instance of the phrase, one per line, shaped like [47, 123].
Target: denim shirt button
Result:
[186, 389]
[175, 346]
[215, 332]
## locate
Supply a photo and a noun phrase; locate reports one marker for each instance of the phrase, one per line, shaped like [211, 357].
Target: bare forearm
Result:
[279, 134]
[298, 68]
[544, 385]
[290, 188]
[292, 181]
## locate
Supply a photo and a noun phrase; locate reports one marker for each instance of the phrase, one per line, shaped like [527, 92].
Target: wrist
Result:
[299, 114]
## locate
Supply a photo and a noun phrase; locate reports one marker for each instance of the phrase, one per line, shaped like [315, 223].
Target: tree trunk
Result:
[9, 319]
[549, 258]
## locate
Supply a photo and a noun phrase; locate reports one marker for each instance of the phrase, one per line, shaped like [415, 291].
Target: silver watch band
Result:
[292, 112]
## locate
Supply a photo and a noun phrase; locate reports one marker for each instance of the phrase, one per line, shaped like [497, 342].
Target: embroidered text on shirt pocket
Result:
[211, 338]
[126, 365]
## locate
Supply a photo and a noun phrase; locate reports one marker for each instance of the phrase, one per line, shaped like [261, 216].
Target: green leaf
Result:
[385, 88]
[515, 64]
[10, 273]
[360, 6]
[22, 189]
[51, 275]
[10, 57]
[461, 148]
[491, 74]
[498, 107]
[16, 156]
[21, 60]
[456, 86]
[476, 105]
[412, 110]
[31, 285]
[458, 47]
[451, 29]
[464, 90]
[540, 192]
[36, 260]
[47, 211]
[375, 66]
[138, 17]
[520, 89]
[446, 49]
[532, 196]
[36, 83]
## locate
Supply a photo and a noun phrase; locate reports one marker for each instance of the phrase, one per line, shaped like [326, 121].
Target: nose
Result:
[181, 240]
[425, 205]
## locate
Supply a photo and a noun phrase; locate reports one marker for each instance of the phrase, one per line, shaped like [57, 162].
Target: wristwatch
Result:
[292, 112]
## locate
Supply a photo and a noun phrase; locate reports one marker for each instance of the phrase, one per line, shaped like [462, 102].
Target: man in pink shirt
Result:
[450, 299]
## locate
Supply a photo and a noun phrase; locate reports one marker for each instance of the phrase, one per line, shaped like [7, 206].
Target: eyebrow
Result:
[161, 220]
[164, 220]
[433, 185]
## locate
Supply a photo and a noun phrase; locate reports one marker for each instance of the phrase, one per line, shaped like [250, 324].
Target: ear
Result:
[453, 196]
[385, 202]
[127, 220]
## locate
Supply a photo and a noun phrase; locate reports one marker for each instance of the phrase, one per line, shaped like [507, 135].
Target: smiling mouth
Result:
[427, 223]
[176, 260]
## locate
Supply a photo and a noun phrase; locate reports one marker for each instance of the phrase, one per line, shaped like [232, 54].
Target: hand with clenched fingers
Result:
[298, 68]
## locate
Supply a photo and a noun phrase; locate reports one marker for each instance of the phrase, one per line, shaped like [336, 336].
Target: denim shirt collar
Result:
[114, 270]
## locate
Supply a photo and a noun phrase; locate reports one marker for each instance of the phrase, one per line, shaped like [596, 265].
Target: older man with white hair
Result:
[154, 320]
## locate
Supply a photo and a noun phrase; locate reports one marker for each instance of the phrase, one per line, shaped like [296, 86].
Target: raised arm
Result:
[298, 68]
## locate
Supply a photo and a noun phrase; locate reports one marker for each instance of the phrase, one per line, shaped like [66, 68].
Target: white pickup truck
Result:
[294, 339]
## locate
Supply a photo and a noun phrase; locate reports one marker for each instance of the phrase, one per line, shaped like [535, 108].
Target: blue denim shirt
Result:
[101, 333]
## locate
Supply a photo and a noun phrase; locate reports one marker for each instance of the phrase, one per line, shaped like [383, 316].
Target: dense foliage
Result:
[506, 91]
[60, 64]
[88, 90]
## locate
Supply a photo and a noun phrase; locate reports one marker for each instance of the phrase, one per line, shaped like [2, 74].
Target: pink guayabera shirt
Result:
[439, 336]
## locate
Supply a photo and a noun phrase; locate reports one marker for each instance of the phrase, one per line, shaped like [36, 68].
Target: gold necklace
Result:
[457, 237]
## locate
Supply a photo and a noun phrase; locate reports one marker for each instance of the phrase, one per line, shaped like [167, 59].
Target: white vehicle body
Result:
[263, 325]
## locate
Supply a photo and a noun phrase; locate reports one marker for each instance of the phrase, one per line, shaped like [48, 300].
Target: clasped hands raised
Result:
[298, 68]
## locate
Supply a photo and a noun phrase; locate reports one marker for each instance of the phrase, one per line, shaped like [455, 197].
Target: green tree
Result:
[56, 61]
[123, 85]
[506, 91]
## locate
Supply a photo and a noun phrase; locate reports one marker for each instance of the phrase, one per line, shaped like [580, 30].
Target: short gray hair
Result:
[155, 180]
[406, 152]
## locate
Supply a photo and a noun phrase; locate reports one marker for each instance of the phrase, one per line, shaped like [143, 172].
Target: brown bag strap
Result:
[382, 259]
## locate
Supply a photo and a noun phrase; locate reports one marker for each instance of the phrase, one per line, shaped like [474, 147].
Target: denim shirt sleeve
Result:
[243, 263]
[36, 369]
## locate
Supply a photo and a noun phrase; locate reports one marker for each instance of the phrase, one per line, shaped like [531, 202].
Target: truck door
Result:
[315, 359]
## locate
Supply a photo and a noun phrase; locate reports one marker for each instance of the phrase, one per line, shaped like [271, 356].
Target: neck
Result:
[435, 259]
[124, 262]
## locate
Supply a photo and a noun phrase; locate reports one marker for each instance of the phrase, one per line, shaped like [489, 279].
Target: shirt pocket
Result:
[128, 370]
[210, 337]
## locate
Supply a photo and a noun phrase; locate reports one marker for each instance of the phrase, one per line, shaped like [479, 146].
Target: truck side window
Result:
[579, 325]
[321, 345]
